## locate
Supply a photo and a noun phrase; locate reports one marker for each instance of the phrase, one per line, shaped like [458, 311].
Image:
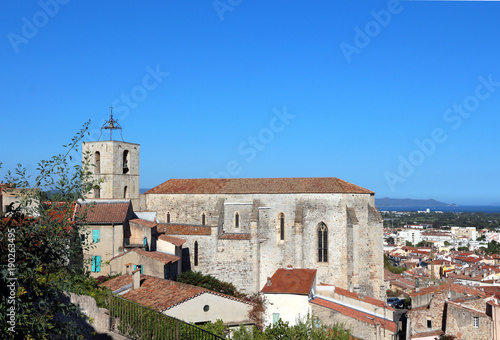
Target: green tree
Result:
[390, 240]
[41, 250]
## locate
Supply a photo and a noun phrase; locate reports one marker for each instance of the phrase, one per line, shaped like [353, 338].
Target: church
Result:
[240, 230]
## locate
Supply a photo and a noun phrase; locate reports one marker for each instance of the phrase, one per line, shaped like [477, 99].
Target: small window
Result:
[282, 227]
[206, 308]
[140, 266]
[96, 264]
[145, 243]
[97, 162]
[195, 253]
[476, 322]
[97, 193]
[276, 318]
[203, 219]
[168, 217]
[429, 324]
[125, 192]
[236, 220]
[95, 235]
[125, 161]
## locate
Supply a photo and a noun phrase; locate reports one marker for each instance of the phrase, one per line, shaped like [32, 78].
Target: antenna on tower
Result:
[111, 124]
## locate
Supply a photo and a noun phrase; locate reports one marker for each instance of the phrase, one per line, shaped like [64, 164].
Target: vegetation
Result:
[305, 329]
[208, 282]
[393, 269]
[41, 256]
[439, 220]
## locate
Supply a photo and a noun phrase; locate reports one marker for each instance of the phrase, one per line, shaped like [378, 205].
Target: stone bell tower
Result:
[116, 165]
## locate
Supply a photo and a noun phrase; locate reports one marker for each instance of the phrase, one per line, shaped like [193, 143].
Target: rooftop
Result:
[291, 281]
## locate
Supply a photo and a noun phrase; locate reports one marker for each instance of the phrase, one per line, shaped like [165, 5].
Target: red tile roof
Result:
[291, 281]
[161, 294]
[356, 314]
[445, 287]
[183, 229]
[367, 299]
[234, 236]
[257, 185]
[174, 240]
[102, 212]
[143, 222]
[155, 255]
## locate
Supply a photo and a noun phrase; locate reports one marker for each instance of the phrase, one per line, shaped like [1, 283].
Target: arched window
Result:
[322, 243]
[168, 217]
[236, 220]
[203, 219]
[125, 161]
[195, 253]
[97, 162]
[125, 192]
[97, 193]
[282, 226]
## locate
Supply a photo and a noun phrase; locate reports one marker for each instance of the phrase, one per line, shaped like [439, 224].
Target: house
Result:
[287, 295]
[182, 301]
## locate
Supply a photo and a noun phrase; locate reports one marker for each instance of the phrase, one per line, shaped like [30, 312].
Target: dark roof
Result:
[103, 212]
[257, 185]
[183, 229]
[143, 223]
[356, 314]
[291, 281]
[161, 294]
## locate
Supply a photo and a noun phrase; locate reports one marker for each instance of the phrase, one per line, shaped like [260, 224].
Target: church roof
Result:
[257, 185]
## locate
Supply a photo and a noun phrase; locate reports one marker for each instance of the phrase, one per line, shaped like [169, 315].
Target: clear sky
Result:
[400, 98]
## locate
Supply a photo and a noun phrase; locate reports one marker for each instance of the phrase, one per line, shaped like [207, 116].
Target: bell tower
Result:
[115, 165]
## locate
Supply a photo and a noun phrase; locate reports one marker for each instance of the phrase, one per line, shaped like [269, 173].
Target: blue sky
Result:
[400, 98]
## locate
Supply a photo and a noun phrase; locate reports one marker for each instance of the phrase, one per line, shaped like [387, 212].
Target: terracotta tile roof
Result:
[367, 299]
[161, 294]
[155, 255]
[234, 236]
[257, 185]
[102, 212]
[445, 287]
[174, 240]
[356, 314]
[291, 281]
[183, 229]
[143, 222]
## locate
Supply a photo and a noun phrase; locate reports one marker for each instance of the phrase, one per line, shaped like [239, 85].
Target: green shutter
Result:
[95, 235]
[97, 264]
[93, 264]
[276, 318]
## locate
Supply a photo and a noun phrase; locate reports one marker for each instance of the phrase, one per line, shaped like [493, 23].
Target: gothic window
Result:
[203, 219]
[125, 161]
[168, 217]
[97, 162]
[282, 227]
[97, 193]
[322, 243]
[236, 220]
[195, 253]
[125, 192]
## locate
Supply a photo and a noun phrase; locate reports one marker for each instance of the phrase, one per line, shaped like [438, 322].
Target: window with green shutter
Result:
[95, 235]
[276, 318]
[96, 264]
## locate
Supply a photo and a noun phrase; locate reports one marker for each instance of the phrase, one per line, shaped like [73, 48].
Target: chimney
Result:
[289, 267]
[136, 278]
[268, 281]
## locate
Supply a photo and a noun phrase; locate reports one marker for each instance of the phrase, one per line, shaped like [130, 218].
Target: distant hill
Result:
[403, 202]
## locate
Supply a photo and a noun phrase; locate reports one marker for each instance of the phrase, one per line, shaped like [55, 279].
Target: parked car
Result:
[399, 304]
[391, 301]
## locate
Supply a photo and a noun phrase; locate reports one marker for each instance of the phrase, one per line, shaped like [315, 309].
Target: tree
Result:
[390, 240]
[446, 243]
[409, 244]
[41, 249]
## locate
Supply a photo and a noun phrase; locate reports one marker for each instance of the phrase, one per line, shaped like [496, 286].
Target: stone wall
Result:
[354, 236]
[460, 322]
[419, 317]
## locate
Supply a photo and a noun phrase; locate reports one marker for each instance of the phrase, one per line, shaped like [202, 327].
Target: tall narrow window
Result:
[322, 243]
[236, 220]
[97, 162]
[203, 219]
[195, 253]
[282, 227]
[97, 193]
[125, 161]
[125, 192]
[96, 264]
[168, 217]
[476, 322]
